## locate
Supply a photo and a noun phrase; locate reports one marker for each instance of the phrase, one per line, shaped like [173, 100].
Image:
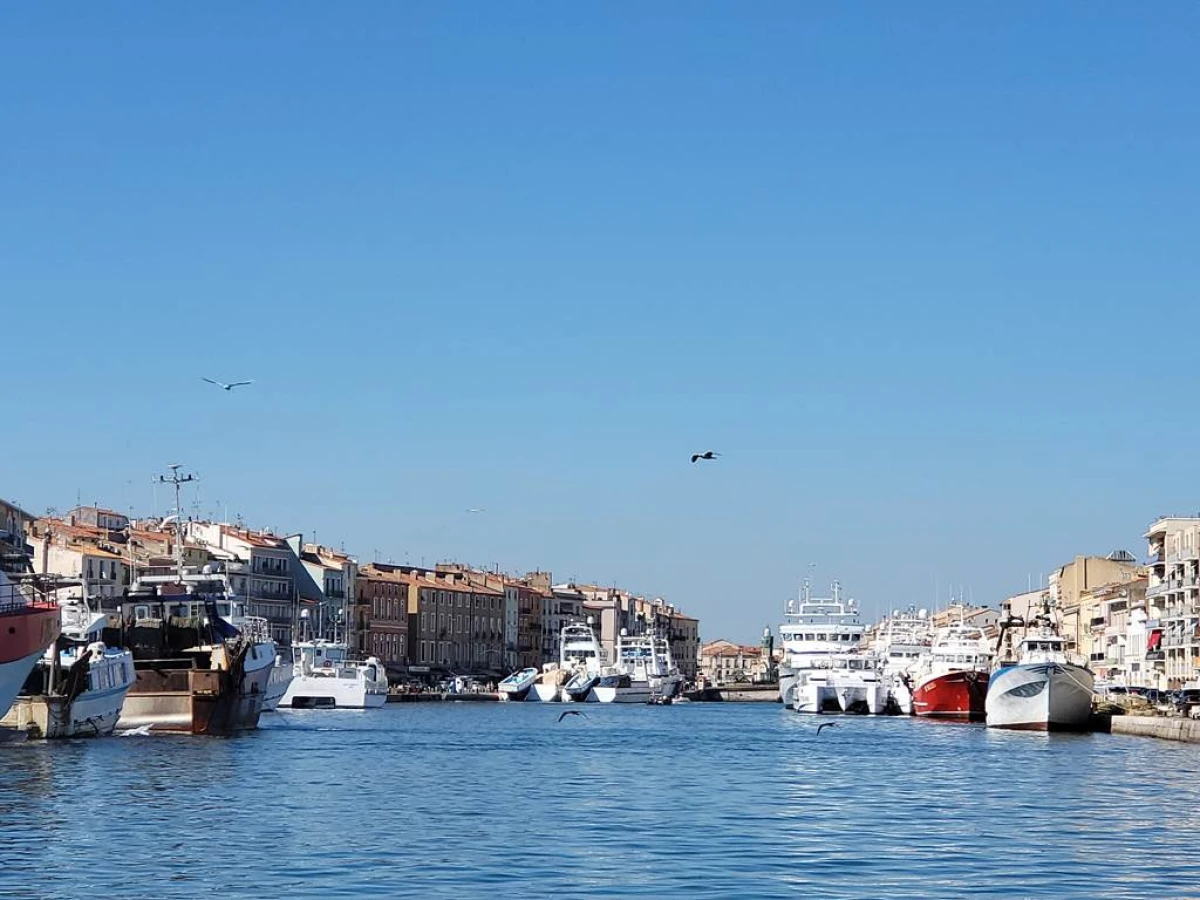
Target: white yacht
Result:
[667, 680]
[854, 683]
[324, 677]
[815, 631]
[640, 673]
[901, 639]
[1044, 690]
[78, 687]
[517, 685]
[582, 657]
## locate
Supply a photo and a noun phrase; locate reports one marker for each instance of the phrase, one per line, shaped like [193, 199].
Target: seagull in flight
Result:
[571, 712]
[826, 725]
[227, 387]
[474, 509]
[707, 454]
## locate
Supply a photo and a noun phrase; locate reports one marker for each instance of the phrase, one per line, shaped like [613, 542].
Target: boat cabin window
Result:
[141, 612]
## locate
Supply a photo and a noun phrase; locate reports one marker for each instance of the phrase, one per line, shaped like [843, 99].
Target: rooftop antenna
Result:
[176, 479]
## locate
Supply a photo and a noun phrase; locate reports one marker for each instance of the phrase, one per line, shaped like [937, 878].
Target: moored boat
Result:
[581, 658]
[1044, 690]
[819, 634]
[517, 685]
[195, 672]
[951, 680]
[29, 623]
[901, 640]
[281, 677]
[326, 678]
[78, 687]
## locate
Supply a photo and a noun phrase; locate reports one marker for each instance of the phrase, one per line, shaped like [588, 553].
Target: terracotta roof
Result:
[254, 538]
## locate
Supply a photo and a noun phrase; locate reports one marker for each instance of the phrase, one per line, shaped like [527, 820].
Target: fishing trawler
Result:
[195, 671]
[29, 623]
[78, 687]
[951, 679]
[1044, 690]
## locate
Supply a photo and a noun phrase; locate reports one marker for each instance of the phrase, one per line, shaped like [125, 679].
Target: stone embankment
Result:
[1164, 727]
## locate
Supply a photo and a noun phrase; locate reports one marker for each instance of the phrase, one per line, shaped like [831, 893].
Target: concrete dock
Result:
[1163, 727]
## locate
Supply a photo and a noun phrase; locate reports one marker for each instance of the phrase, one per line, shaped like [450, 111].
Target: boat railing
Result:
[16, 600]
[254, 628]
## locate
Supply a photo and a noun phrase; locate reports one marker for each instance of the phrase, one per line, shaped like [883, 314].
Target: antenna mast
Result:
[177, 480]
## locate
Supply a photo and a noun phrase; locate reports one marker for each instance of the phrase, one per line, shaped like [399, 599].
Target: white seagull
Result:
[476, 510]
[230, 386]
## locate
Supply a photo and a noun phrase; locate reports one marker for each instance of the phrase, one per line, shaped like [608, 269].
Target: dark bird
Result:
[707, 454]
[826, 725]
[227, 387]
[570, 712]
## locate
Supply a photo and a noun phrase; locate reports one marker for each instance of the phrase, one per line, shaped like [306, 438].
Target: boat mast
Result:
[177, 480]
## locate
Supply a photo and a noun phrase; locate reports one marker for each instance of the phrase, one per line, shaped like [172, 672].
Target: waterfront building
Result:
[85, 552]
[336, 573]
[984, 618]
[530, 601]
[383, 601]
[265, 571]
[724, 662]
[1070, 584]
[16, 552]
[1109, 644]
[1174, 586]
[96, 517]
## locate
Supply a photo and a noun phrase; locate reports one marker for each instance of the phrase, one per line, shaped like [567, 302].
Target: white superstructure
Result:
[324, 677]
[901, 639]
[641, 672]
[582, 659]
[815, 631]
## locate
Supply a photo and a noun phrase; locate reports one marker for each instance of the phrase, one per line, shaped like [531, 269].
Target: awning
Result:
[1155, 640]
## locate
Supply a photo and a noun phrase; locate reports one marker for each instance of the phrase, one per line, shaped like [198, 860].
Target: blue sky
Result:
[927, 279]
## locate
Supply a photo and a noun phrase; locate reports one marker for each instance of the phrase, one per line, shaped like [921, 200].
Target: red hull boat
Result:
[955, 695]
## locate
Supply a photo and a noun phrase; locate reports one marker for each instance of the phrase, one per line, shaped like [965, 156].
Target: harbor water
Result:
[693, 800]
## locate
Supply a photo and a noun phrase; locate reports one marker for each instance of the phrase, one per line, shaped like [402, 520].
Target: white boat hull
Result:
[91, 714]
[543, 693]
[12, 678]
[901, 695]
[635, 693]
[337, 690]
[281, 678]
[1040, 697]
[819, 696]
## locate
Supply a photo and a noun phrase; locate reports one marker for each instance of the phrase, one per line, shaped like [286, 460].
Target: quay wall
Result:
[1169, 729]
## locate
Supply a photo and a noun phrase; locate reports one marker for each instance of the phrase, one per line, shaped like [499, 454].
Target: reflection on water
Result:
[698, 800]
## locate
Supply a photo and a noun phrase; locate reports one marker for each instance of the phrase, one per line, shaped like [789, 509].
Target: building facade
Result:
[1173, 586]
[724, 662]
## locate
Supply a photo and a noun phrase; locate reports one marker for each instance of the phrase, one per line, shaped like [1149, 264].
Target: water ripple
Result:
[446, 800]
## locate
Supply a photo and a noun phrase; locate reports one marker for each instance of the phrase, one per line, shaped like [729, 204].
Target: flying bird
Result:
[707, 454]
[230, 386]
[570, 712]
[476, 510]
[826, 725]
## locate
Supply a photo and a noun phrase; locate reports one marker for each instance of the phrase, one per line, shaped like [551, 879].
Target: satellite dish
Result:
[922, 613]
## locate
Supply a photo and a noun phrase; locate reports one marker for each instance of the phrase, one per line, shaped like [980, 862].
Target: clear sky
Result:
[926, 277]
